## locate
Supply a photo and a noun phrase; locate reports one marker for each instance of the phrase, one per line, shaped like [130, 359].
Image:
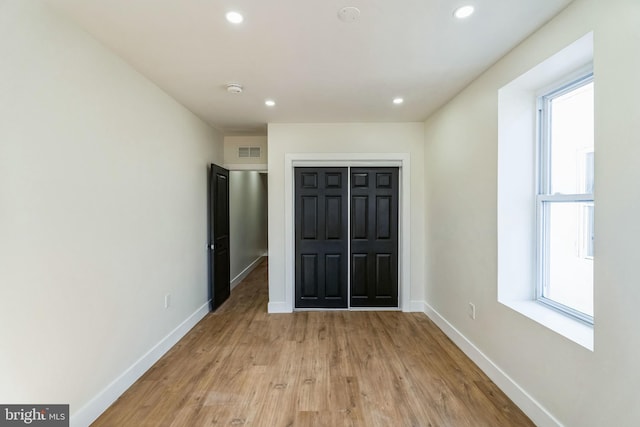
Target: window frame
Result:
[544, 198]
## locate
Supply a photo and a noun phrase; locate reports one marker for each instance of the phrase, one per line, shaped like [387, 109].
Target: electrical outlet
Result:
[167, 300]
[472, 311]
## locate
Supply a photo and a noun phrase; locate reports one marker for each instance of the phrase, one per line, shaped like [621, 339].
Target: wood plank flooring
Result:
[243, 367]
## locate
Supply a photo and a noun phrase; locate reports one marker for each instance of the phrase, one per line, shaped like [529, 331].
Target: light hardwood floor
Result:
[243, 367]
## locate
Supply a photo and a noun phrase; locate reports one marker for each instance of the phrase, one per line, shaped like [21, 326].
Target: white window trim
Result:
[573, 81]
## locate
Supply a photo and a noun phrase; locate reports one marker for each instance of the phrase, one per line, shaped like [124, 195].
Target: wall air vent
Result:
[244, 152]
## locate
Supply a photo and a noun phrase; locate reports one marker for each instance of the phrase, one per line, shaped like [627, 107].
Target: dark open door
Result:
[374, 237]
[219, 263]
[321, 237]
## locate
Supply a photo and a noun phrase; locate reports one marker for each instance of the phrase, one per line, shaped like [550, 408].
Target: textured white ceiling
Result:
[316, 67]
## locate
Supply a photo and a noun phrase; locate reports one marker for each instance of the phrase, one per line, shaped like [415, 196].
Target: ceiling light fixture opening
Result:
[349, 14]
[270, 103]
[234, 17]
[464, 11]
[398, 100]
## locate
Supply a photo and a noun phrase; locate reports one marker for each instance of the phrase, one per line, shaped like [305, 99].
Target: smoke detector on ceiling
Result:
[234, 88]
[349, 14]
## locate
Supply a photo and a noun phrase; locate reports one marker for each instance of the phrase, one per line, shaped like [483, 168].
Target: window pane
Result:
[572, 141]
[570, 255]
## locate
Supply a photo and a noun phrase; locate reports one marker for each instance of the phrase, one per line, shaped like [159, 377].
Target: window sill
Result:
[569, 328]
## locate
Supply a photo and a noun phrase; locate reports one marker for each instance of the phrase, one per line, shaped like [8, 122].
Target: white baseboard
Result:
[96, 406]
[283, 307]
[531, 407]
[279, 307]
[244, 273]
[415, 307]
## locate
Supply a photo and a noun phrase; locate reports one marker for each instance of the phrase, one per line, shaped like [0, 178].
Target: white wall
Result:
[346, 138]
[248, 220]
[234, 162]
[577, 386]
[102, 211]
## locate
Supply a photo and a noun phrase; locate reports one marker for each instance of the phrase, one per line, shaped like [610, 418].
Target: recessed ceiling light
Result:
[463, 12]
[234, 17]
[398, 101]
[270, 103]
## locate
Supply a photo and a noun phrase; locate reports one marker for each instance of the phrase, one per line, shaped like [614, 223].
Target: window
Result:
[545, 193]
[564, 200]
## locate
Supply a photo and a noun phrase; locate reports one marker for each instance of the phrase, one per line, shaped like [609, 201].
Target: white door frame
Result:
[400, 160]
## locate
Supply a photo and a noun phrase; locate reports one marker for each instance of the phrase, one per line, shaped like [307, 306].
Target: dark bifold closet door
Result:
[321, 237]
[374, 237]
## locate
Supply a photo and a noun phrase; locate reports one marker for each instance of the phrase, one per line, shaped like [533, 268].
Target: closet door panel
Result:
[321, 237]
[374, 237]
